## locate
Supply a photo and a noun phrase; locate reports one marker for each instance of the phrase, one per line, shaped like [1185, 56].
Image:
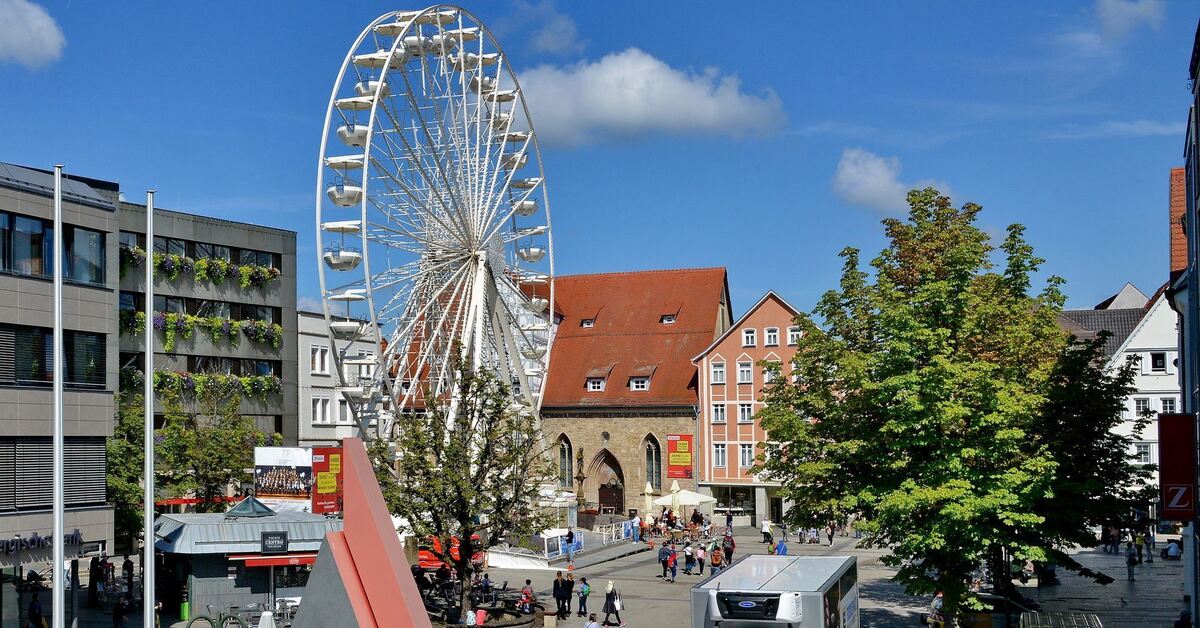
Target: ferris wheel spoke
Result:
[429, 179]
[434, 215]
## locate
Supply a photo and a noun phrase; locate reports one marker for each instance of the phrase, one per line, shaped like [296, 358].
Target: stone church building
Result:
[621, 381]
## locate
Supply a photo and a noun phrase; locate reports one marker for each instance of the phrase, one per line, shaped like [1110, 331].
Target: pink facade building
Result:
[732, 377]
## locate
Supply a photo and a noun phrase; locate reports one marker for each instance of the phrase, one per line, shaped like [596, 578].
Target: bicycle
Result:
[222, 619]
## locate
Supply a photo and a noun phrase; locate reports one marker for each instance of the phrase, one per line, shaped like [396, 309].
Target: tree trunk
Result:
[463, 567]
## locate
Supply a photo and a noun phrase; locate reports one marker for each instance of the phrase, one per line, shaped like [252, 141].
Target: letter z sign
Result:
[1177, 466]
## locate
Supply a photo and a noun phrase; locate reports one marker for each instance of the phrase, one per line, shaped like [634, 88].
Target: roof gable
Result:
[737, 325]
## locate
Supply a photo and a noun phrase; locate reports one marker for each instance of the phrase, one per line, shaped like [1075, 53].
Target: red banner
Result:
[1177, 467]
[679, 456]
[327, 479]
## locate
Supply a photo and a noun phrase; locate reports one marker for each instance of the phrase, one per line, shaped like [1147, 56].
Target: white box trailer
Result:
[795, 591]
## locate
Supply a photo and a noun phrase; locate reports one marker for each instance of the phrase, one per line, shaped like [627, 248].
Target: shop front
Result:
[25, 574]
[250, 554]
[749, 503]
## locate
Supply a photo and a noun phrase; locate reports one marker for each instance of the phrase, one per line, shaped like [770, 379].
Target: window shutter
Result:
[1145, 360]
[1171, 357]
[84, 471]
[34, 473]
[8, 367]
[8, 474]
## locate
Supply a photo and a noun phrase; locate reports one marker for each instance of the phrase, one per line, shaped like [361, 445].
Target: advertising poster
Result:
[679, 456]
[1177, 467]
[327, 483]
[283, 477]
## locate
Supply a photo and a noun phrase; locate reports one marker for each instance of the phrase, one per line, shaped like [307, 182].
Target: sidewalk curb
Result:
[603, 556]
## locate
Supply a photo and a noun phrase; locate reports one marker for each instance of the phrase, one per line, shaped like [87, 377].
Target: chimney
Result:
[1179, 248]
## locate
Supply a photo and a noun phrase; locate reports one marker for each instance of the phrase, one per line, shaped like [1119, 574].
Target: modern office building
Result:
[26, 368]
[325, 417]
[225, 308]
[621, 386]
[732, 379]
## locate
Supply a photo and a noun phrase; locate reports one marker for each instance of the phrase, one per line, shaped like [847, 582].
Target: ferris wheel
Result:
[433, 220]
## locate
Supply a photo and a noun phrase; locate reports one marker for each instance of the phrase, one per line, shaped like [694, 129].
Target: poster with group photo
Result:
[283, 477]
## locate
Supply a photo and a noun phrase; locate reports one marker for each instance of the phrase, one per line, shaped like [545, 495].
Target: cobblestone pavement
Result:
[1154, 598]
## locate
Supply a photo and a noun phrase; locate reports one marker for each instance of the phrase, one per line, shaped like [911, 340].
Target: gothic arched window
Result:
[566, 462]
[653, 462]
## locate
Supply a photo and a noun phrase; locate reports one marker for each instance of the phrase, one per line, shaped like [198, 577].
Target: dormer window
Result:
[749, 337]
[793, 336]
[587, 322]
[667, 319]
[639, 383]
[771, 336]
[595, 384]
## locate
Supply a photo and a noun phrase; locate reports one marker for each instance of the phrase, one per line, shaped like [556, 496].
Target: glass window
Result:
[320, 410]
[1141, 453]
[172, 246]
[131, 239]
[736, 498]
[1141, 406]
[83, 252]
[718, 372]
[566, 463]
[1158, 362]
[319, 359]
[746, 456]
[653, 463]
[793, 336]
[128, 301]
[769, 372]
[247, 256]
[745, 413]
[366, 370]
[718, 413]
[85, 358]
[264, 259]
[595, 384]
[1168, 405]
[745, 373]
[719, 455]
[28, 246]
[749, 337]
[209, 364]
[5, 239]
[204, 307]
[639, 383]
[667, 319]
[169, 304]
[587, 322]
[771, 336]
[212, 251]
[32, 355]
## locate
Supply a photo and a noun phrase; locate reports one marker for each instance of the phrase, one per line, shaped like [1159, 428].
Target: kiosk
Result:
[795, 591]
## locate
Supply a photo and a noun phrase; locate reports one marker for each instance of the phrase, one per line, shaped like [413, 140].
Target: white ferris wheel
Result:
[433, 221]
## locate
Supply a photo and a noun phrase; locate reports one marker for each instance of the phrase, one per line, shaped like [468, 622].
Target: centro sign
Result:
[36, 542]
[274, 542]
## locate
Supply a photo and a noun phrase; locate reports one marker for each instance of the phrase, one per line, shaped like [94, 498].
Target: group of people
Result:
[564, 589]
[717, 552]
[813, 535]
[282, 481]
[698, 525]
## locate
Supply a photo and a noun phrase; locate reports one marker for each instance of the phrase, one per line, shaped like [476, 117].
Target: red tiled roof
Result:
[1178, 208]
[628, 338]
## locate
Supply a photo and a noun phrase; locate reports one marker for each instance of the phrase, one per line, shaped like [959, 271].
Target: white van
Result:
[795, 591]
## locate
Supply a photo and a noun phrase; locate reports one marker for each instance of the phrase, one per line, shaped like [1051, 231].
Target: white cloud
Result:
[28, 35]
[869, 180]
[308, 304]
[540, 23]
[1114, 21]
[1118, 128]
[557, 34]
[630, 93]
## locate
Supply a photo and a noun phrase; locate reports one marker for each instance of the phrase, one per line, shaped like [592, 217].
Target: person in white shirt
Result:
[766, 530]
[637, 529]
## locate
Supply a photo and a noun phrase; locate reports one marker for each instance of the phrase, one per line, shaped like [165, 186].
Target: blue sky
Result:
[762, 139]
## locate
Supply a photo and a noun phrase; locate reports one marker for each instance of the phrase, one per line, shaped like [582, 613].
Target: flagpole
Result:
[148, 598]
[59, 606]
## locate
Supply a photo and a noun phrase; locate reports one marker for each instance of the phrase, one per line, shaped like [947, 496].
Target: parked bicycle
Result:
[220, 619]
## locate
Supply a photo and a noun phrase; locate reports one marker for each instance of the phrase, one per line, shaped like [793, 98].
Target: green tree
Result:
[205, 452]
[126, 455]
[926, 405]
[473, 470]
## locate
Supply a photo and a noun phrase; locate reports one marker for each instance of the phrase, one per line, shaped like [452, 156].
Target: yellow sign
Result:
[683, 459]
[326, 482]
[335, 463]
[682, 446]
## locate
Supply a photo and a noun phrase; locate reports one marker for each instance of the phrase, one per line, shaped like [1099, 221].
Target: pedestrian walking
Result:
[570, 591]
[1130, 559]
[613, 605]
[783, 530]
[591, 622]
[766, 530]
[1138, 541]
[689, 558]
[829, 533]
[559, 591]
[715, 561]
[585, 590]
[127, 571]
[664, 551]
[1149, 545]
[729, 521]
[570, 547]
[672, 560]
[700, 556]
[727, 546]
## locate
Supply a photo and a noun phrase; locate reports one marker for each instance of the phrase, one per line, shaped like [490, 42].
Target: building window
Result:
[1168, 405]
[745, 413]
[30, 246]
[746, 456]
[667, 319]
[745, 373]
[718, 413]
[83, 250]
[566, 462]
[719, 455]
[212, 251]
[1141, 453]
[366, 371]
[749, 337]
[1158, 362]
[587, 322]
[771, 337]
[170, 246]
[653, 463]
[130, 239]
[1141, 406]
[595, 384]
[639, 383]
[718, 372]
[320, 410]
[769, 372]
[345, 415]
[793, 336]
[319, 360]
[28, 351]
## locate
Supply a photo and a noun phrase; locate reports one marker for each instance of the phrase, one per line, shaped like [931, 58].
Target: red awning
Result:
[258, 560]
